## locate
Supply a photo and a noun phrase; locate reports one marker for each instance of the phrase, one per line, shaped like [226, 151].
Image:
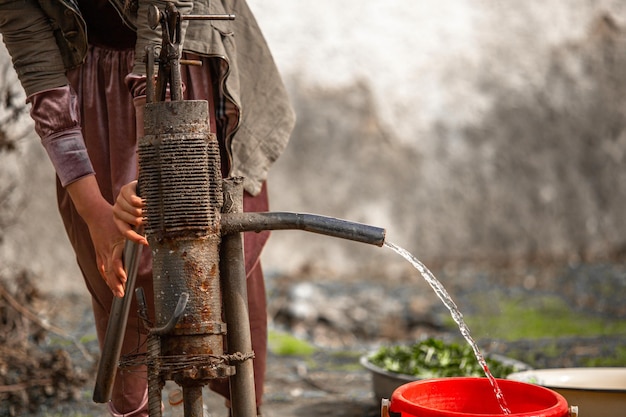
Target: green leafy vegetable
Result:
[433, 358]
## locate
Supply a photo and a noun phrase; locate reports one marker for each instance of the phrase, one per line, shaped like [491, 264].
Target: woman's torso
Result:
[105, 27]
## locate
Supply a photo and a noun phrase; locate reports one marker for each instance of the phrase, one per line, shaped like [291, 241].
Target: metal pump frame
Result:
[199, 273]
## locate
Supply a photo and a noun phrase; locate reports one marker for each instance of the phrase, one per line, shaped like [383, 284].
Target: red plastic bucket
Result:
[474, 397]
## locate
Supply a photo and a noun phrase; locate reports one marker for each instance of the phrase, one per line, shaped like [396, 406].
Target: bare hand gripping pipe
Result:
[107, 367]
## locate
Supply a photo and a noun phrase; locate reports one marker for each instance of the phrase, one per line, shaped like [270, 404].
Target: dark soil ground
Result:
[329, 381]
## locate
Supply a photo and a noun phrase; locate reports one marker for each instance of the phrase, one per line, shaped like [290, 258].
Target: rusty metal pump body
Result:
[199, 279]
[181, 182]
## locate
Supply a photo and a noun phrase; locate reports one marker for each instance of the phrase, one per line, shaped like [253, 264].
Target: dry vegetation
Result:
[31, 372]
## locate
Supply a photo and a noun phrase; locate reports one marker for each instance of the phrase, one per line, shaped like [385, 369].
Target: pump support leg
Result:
[235, 306]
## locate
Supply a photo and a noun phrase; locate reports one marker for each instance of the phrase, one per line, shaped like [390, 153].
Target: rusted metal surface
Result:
[155, 381]
[192, 400]
[236, 312]
[178, 157]
[181, 182]
[169, 57]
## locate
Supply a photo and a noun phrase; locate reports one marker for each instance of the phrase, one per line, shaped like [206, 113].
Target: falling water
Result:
[456, 315]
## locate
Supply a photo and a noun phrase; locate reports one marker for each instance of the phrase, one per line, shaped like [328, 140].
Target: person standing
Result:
[81, 65]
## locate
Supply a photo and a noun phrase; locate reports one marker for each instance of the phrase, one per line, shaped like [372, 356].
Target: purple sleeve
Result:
[57, 123]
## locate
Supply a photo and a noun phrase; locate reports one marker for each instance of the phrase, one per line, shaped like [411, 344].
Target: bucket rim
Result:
[399, 402]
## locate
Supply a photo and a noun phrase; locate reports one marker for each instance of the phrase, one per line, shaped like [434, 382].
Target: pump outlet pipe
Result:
[329, 226]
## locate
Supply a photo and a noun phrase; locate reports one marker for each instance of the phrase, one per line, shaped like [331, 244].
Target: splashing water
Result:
[456, 316]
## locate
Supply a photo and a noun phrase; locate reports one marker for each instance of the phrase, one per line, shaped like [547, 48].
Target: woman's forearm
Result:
[87, 198]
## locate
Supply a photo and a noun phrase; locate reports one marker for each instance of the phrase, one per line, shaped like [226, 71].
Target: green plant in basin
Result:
[434, 358]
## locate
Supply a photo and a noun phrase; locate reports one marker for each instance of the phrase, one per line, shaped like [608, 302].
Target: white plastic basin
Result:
[598, 392]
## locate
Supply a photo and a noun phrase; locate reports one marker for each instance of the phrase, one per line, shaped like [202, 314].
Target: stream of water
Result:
[443, 295]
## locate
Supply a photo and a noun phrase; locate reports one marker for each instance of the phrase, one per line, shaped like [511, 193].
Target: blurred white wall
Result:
[452, 99]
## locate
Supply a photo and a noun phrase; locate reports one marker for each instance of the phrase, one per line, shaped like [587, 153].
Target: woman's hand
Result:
[107, 240]
[109, 244]
[128, 213]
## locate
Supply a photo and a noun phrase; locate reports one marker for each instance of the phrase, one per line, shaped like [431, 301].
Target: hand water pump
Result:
[194, 225]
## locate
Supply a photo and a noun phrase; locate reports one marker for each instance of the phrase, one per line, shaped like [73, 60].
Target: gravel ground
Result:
[331, 382]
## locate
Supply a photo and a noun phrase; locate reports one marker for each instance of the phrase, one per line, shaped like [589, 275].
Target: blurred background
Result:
[486, 137]
[473, 131]
[489, 139]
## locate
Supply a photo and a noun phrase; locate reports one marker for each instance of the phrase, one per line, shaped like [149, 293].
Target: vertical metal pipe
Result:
[155, 384]
[150, 58]
[116, 327]
[235, 305]
[192, 401]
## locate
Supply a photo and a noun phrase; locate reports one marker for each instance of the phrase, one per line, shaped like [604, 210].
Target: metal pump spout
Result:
[329, 226]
